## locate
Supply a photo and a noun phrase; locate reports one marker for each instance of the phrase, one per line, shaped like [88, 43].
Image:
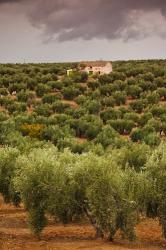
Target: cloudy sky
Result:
[74, 30]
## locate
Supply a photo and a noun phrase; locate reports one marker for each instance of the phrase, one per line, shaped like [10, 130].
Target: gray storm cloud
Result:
[87, 19]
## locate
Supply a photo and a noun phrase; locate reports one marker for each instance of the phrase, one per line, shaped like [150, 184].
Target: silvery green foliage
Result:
[101, 185]
[156, 170]
[67, 186]
[34, 180]
[8, 158]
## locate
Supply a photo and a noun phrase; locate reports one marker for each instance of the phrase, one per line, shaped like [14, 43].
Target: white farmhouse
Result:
[96, 67]
[69, 72]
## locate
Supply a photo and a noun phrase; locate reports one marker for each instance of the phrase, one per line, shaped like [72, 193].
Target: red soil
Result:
[15, 235]
[71, 103]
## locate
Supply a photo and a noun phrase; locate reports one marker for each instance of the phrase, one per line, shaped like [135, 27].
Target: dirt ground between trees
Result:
[15, 235]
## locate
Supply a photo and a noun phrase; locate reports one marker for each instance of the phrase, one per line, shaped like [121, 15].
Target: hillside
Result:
[44, 103]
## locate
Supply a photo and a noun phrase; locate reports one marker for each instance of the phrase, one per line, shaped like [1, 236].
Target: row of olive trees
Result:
[69, 186]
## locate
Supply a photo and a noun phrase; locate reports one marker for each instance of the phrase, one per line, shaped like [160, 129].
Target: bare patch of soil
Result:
[71, 103]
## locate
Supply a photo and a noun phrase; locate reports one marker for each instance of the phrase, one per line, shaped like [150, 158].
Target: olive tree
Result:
[8, 158]
[156, 169]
